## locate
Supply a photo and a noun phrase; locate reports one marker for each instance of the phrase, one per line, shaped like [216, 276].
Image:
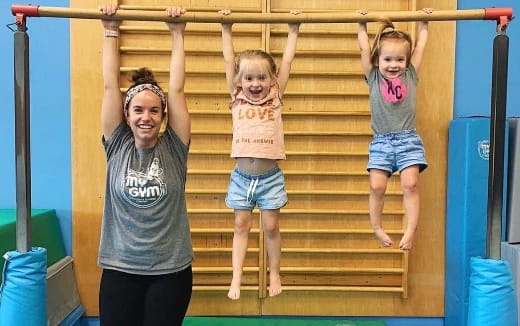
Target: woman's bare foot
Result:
[275, 285]
[383, 237]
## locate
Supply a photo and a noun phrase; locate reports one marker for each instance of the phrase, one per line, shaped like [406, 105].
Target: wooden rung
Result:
[320, 53]
[337, 192]
[295, 211]
[338, 270]
[316, 32]
[247, 29]
[296, 231]
[217, 52]
[290, 133]
[291, 113]
[214, 211]
[189, 29]
[363, 193]
[286, 172]
[213, 92]
[212, 288]
[307, 93]
[342, 251]
[166, 51]
[336, 231]
[206, 191]
[332, 74]
[165, 71]
[217, 270]
[317, 211]
[220, 250]
[344, 288]
[288, 153]
[205, 73]
[219, 230]
[206, 250]
[383, 289]
[194, 92]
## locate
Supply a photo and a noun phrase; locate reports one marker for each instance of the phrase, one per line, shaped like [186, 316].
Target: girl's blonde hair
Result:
[388, 32]
[269, 64]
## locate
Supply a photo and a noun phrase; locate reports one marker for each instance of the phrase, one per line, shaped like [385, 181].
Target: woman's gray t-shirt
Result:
[145, 228]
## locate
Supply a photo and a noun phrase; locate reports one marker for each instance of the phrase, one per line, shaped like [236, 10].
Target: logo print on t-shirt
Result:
[394, 90]
[144, 190]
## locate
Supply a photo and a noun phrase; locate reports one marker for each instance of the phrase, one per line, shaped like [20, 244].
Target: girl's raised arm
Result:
[364, 47]
[420, 44]
[288, 55]
[229, 53]
[422, 37]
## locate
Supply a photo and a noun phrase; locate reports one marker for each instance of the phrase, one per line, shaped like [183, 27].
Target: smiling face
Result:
[144, 116]
[255, 79]
[392, 61]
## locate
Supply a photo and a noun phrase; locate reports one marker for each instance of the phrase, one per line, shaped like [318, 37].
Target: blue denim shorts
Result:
[395, 151]
[267, 190]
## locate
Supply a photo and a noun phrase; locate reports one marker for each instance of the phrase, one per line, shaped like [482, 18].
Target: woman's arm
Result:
[112, 106]
[178, 116]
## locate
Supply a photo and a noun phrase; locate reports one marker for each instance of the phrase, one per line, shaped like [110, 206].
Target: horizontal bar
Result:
[240, 17]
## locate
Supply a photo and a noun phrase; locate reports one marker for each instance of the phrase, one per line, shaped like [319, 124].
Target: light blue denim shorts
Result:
[395, 151]
[267, 190]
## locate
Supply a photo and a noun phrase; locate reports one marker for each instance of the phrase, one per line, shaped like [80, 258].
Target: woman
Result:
[145, 247]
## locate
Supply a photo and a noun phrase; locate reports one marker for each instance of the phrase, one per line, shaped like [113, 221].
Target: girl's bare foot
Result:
[234, 290]
[275, 285]
[383, 237]
[406, 241]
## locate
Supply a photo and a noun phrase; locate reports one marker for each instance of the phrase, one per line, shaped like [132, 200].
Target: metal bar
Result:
[22, 139]
[497, 145]
[240, 17]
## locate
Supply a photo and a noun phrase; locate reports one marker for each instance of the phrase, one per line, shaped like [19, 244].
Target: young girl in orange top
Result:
[258, 143]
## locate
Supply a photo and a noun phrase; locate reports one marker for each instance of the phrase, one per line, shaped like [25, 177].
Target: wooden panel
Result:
[329, 254]
[88, 162]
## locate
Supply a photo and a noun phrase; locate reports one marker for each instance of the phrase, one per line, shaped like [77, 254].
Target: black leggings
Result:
[144, 300]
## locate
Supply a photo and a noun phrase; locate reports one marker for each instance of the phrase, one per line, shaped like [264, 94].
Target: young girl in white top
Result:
[256, 90]
[390, 69]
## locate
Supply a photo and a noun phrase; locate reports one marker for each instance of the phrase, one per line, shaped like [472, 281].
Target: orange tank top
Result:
[257, 126]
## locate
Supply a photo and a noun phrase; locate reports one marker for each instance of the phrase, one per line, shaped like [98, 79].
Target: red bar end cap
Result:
[496, 13]
[25, 10]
